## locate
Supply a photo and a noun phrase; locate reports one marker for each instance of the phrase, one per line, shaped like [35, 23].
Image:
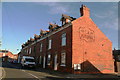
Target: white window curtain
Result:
[41, 47]
[40, 60]
[30, 51]
[63, 58]
[48, 59]
[63, 39]
[50, 43]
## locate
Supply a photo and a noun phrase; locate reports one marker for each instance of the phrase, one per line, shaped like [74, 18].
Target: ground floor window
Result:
[40, 60]
[77, 66]
[48, 59]
[63, 58]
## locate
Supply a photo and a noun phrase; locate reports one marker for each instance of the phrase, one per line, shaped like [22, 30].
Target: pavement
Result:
[68, 75]
[15, 71]
[2, 71]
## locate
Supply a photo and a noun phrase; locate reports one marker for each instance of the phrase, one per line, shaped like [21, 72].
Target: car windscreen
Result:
[30, 60]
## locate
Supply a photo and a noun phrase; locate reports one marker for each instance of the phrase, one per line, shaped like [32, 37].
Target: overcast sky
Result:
[22, 20]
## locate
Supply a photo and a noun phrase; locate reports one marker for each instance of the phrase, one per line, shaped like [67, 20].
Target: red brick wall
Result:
[56, 48]
[90, 47]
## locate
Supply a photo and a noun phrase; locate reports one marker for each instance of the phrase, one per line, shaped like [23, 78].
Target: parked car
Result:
[28, 62]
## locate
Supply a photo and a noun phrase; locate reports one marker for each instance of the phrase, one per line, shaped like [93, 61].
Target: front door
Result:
[55, 62]
[44, 62]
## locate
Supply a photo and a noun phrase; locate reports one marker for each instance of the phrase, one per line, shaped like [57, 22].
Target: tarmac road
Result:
[14, 72]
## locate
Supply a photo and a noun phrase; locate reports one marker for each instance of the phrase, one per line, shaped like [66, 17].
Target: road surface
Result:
[14, 72]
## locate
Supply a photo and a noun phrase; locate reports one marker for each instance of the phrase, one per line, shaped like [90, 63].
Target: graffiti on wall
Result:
[86, 34]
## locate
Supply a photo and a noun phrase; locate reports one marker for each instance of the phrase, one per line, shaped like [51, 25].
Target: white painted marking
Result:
[23, 70]
[33, 75]
[3, 73]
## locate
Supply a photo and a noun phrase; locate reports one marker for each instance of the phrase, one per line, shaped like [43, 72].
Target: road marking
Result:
[23, 70]
[31, 74]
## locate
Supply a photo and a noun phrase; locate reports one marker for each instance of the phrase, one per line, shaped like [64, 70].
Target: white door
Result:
[55, 62]
[44, 62]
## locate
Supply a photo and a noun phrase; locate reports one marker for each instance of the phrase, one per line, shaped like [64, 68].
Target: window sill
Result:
[63, 45]
[49, 49]
[62, 65]
[48, 64]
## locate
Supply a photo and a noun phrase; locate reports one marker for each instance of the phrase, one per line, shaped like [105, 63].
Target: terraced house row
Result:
[77, 46]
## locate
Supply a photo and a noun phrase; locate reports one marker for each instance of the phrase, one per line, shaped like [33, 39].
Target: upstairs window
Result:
[50, 44]
[41, 47]
[30, 51]
[27, 51]
[63, 39]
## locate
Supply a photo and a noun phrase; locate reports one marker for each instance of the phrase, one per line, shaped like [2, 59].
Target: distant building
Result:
[116, 55]
[7, 55]
[77, 46]
[3, 53]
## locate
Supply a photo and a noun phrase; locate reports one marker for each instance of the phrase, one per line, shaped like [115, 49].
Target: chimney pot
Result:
[85, 11]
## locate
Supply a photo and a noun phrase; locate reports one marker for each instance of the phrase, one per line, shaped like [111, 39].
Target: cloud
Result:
[113, 24]
[109, 18]
[59, 9]
[56, 8]
[104, 15]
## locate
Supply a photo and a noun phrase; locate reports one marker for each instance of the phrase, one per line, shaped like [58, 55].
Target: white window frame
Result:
[63, 39]
[63, 59]
[48, 59]
[49, 44]
[27, 51]
[30, 50]
[75, 66]
[41, 45]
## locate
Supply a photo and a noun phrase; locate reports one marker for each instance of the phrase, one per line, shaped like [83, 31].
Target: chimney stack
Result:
[85, 11]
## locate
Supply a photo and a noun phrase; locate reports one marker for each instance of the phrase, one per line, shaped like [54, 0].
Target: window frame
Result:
[48, 59]
[40, 60]
[30, 50]
[41, 46]
[49, 44]
[63, 59]
[64, 39]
